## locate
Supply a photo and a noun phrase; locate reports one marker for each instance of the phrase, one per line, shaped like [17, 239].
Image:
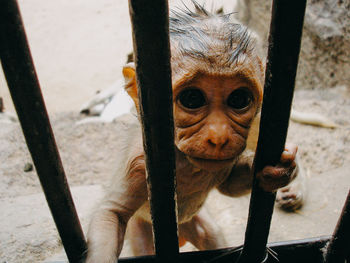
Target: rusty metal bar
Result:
[26, 95]
[150, 24]
[338, 249]
[283, 53]
[295, 251]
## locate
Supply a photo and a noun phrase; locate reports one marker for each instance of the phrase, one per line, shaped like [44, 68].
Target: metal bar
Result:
[284, 46]
[26, 95]
[150, 24]
[300, 251]
[339, 247]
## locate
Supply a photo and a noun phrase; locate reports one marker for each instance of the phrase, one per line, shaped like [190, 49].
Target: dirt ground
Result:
[79, 48]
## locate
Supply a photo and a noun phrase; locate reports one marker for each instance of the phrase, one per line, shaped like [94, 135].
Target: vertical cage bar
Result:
[338, 249]
[26, 95]
[150, 24]
[283, 53]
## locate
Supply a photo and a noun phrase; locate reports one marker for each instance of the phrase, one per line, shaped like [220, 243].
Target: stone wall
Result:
[325, 54]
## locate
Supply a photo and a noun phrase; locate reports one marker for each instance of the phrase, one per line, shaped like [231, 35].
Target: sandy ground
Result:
[79, 48]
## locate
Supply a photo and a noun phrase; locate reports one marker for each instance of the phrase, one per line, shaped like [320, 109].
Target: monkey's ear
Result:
[130, 82]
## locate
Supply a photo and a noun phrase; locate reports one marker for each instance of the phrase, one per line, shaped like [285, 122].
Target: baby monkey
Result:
[217, 78]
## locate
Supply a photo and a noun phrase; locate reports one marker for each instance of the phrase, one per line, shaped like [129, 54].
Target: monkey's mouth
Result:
[211, 164]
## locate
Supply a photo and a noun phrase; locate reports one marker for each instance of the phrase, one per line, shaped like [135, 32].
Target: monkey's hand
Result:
[273, 177]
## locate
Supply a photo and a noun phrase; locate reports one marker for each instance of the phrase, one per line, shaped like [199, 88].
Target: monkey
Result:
[217, 82]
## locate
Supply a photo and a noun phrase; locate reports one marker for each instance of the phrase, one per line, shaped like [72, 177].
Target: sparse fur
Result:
[202, 41]
[217, 93]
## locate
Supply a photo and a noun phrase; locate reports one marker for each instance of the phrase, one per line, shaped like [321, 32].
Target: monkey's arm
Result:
[108, 225]
[239, 182]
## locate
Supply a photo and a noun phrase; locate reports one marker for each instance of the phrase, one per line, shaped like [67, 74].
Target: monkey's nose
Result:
[218, 142]
[218, 137]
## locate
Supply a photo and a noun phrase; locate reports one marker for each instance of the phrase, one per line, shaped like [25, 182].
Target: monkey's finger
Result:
[281, 170]
[271, 177]
[289, 154]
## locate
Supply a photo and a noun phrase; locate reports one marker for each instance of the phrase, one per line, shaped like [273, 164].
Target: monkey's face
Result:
[212, 117]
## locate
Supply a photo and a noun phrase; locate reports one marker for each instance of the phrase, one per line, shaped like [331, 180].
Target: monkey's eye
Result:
[192, 98]
[239, 99]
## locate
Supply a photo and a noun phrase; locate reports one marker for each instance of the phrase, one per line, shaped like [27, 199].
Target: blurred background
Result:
[79, 48]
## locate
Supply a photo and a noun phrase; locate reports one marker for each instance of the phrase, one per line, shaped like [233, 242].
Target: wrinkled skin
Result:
[210, 153]
[217, 79]
[214, 135]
